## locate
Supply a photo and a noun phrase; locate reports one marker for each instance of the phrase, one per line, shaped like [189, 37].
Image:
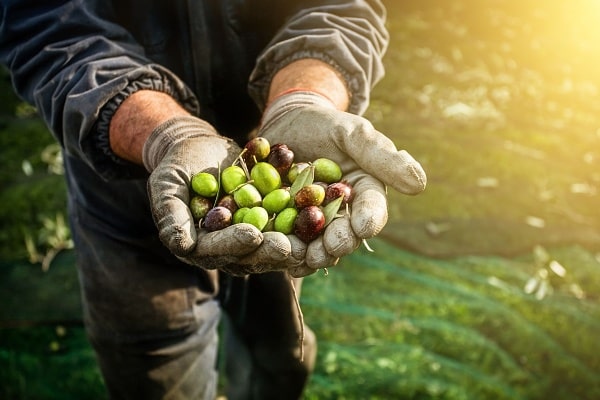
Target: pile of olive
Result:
[266, 188]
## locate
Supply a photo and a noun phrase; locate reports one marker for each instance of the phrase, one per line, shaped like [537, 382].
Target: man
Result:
[144, 94]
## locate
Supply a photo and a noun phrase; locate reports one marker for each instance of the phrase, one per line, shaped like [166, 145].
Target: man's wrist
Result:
[173, 131]
[135, 120]
[311, 75]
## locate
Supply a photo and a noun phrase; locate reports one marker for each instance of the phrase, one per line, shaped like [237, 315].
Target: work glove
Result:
[176, 151]
[311, 126]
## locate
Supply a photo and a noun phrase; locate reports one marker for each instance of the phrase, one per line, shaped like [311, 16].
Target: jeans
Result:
[154, 321]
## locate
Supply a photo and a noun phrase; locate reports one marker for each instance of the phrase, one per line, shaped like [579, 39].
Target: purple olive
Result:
[217, 218]
[338, 189]
[309, 223]
[281, 157]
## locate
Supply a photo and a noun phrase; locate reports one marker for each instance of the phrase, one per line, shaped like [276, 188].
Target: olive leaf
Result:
[330, 211]
[304, 178]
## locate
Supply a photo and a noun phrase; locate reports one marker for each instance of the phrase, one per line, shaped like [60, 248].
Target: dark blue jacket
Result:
[77, 60]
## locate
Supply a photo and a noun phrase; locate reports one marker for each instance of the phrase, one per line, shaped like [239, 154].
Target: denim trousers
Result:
[160, 328]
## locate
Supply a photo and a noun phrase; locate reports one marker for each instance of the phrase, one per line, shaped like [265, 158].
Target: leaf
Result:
[304, 178]
[331, 209]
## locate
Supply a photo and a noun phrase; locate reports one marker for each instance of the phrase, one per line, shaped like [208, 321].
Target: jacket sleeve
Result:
[350, 36]
[76, 67]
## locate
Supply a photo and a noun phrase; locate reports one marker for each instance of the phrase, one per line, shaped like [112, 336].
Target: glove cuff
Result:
[292, 99]
[171, 132]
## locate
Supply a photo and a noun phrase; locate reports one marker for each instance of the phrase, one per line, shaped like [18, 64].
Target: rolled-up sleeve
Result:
[350, 36]
[76, 67]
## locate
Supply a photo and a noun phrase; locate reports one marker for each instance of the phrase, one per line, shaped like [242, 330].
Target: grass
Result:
[391, 324]
[454, 329]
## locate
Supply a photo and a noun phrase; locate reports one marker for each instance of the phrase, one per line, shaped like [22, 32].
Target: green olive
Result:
[247, 196]
[284, 222]
[205, 184]
[238, 215]
[232, 177]
[326, 170]
[256, 216]
[265, 177]
[276, 201]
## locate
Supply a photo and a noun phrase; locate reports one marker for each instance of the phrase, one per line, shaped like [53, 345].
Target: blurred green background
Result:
[483, 287]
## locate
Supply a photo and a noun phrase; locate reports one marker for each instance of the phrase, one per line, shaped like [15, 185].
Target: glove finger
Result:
[377, 155]
[219, 248]
[317, 256]
[297, 253]
[297, 267]
[369, 208]
[235, 240]
[271, 254]
[301, 271]
[169, 202]
[339, 239]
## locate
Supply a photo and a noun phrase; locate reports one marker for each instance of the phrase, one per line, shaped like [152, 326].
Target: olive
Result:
[205, 184]
[199, 206]
[277, 200]
[338, 189]
[256, 149]
[326, 170]
[228, 201]
[217, 218]
[247, 196]
[284, 222]
[309, 223]
[232, 177]
[265, 177]
[281, 157]
[309, 195]
[256, 216]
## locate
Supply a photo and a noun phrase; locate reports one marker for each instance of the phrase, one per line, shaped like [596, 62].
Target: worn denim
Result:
[154, 320]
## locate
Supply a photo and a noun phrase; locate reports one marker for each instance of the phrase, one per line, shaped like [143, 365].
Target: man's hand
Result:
[151, 128]
[176, 151]
[312, 127]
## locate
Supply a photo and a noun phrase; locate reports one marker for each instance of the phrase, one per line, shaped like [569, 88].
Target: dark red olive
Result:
[309, 223]
[338, 189]
[281, 157]
[228, 202]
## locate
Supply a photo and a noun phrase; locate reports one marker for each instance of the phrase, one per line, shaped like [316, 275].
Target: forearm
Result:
[140, 113]
[136, 118]
[313, 75]
[351, 38]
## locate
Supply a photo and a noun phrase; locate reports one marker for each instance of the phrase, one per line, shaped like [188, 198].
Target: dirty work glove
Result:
[312, 127]
[174, 152]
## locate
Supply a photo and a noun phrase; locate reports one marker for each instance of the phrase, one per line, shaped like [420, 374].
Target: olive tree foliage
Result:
[33, 196]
